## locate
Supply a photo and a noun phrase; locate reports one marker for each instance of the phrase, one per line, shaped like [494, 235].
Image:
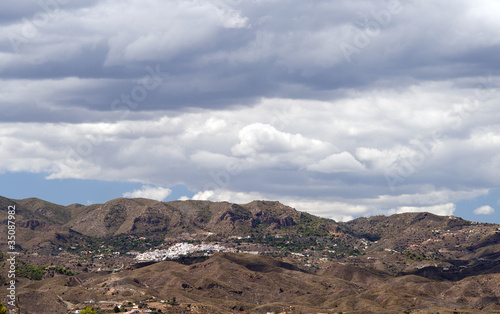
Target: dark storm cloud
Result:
[272, 50]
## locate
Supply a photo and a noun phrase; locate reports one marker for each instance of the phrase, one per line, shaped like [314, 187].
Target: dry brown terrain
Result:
[257, 284]
[407, 263]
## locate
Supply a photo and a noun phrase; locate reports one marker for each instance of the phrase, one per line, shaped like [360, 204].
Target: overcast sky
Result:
[339, 108]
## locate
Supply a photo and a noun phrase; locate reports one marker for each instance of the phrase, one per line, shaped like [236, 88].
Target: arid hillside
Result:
[246, 283]
[70, 257]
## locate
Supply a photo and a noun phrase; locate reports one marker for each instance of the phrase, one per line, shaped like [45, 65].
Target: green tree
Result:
[116, 309]
[29, 271]
[88, 310]
[3, 309]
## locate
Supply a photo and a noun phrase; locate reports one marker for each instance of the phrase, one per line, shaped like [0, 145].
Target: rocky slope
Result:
[146, 217]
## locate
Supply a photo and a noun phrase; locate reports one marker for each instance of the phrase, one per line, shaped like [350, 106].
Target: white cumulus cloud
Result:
[343, 162]
[155, 193]
[441, 209]
[484, 210]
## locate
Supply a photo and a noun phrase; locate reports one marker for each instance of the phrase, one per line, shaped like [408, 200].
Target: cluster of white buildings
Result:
[180, 249]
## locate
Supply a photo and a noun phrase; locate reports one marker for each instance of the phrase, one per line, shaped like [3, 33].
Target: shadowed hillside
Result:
[256, 284]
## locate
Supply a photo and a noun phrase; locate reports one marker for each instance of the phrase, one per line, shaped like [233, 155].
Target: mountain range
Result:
[411, 262]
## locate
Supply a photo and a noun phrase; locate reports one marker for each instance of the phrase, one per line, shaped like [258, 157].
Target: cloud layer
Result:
[239, 100]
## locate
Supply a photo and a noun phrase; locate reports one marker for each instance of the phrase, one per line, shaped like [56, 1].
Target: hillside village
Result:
[181, 249]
